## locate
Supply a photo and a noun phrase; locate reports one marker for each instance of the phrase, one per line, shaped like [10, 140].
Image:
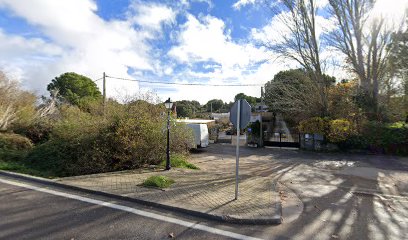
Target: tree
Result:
[74, 88]
[398, 60]
[251, 100]
[15, 104]
[214, 105]
[302, 43]
[293, 93]
[187, 108]
[363, 43]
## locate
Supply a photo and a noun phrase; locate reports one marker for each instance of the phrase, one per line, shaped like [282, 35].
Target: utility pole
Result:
[262, 103]
[104, 92]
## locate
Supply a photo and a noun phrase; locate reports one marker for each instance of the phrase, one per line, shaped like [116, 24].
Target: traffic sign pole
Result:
[237, 150]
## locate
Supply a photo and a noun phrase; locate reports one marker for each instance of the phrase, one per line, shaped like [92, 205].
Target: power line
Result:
[97, 79]
[186, 84]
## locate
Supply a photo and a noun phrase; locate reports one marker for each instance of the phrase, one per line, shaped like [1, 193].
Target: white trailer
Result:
[200, 130]
[200, 134]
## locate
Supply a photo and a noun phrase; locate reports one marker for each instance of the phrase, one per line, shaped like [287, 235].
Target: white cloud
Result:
[81, 41]
[208, 40]
[242, 3]
[208, 43]
[152, 16]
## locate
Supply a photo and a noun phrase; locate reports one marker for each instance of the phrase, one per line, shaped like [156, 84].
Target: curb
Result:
[221, 218]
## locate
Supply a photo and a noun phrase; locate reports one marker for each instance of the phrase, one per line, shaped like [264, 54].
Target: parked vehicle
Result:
[200, 134]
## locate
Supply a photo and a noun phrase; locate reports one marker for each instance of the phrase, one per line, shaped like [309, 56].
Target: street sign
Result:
[245, 113]
[240, 114]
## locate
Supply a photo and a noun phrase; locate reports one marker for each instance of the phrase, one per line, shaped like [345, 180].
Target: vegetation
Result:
[188, 109]
[158, 182]
[73, 140]
[179, 161]
[74, 88]
[251, 100]
[16, 105]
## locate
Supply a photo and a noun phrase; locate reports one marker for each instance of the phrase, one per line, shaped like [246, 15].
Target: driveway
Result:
[346, 196]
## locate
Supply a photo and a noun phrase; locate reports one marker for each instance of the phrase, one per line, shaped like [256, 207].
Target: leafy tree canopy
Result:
[216, 105]
[251, 100]
[186, 108]
[74, 88]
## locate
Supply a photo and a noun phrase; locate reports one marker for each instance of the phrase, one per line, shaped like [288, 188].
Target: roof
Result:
[195, 120]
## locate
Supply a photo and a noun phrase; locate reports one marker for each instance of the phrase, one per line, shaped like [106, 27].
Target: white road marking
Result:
[134, 211]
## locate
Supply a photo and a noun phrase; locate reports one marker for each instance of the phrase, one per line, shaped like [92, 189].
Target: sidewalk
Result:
[201, 193]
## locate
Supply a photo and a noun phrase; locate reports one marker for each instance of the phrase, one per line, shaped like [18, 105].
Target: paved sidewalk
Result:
[203, 193]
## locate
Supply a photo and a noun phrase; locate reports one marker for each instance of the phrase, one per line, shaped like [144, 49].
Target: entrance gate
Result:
[277, 139]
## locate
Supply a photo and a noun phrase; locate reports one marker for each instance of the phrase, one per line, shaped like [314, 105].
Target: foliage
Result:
[128, 136]
[16, 105]
[74, 88]
[11, 141]
[340, 130]
[380, 138]
[180, 161]
[255, 128]
[38, 131]
[214, 105]
[314, 125]
[158, 181]
[342, 102]
[251, 100]
[293, 93]
[187, 108]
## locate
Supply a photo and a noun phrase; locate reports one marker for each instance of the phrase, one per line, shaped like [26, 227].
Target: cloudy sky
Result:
[185, 41]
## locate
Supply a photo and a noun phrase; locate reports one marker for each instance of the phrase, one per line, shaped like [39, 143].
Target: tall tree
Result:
[363, 43]
[302, 43]
[74, 88]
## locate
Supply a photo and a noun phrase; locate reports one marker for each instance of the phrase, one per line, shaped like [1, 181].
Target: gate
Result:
[277, 139]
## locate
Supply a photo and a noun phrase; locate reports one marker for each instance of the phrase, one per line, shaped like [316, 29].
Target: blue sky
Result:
[185, 41]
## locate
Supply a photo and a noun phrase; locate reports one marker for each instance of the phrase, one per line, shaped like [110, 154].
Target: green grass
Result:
[180, 161]
[158, 181]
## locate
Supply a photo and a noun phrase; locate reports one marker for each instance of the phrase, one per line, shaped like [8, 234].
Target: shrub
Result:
[314, 125]
[340, 130]
[129, 137]
[380, 138]
[158, 181]
[38, 131]
[11, 141]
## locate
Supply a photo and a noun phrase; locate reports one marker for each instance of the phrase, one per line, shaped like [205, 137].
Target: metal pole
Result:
[237, 150]
[168, 142]
[104, 92]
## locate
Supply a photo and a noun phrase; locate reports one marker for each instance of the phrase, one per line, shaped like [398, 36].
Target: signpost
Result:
[240, 114]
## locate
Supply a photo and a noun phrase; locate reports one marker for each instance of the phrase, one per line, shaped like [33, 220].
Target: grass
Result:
[158, 181]
[180, 161]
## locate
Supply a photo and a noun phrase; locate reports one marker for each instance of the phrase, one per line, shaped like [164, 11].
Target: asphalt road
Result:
[31, 214]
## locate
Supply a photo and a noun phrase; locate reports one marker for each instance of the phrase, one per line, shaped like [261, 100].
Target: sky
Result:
[181, 41]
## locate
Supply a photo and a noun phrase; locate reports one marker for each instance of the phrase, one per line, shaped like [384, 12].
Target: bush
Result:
[314, 125]
[11, 141]
[38, 131]
[380, 138]
[129, 137]
[158, 181]
[340, 130]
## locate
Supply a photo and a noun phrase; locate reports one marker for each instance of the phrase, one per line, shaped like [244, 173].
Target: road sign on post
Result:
[240, 114]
